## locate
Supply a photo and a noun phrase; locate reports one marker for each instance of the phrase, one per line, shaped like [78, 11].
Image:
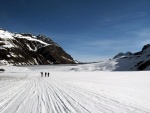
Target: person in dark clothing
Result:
[45, 74]
[48, 74]
[41, 74]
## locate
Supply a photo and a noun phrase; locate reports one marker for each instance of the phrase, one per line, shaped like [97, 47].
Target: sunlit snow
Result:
[23, 90]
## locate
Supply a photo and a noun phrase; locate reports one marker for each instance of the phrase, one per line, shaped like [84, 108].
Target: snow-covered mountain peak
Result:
[134, 61]
[119, 55]
[146, 49]
[26, 48]
[46, 39]
[5, 34]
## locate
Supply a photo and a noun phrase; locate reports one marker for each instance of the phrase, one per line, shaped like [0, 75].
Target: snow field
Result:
[74, 92]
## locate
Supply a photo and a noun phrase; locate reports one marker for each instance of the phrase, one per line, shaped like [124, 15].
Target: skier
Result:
[45, 74]
[48, 74]
[41, 74]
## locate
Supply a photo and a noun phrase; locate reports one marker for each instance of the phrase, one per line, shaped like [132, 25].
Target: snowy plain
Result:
[73, 89]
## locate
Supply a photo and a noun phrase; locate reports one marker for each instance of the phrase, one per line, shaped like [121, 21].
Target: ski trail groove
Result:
[54, 95]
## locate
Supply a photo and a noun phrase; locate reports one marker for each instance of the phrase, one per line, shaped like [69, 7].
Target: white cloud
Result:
[142, 36]
[102, 42]
[132, 15]
[143, 33]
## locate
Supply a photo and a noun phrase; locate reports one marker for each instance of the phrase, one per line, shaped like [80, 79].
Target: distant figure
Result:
[45, 74]
[48, 74]
[41, 74]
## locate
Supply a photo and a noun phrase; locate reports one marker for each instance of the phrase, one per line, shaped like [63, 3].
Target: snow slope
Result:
[8, 35]
[73, 92]
[133, 61]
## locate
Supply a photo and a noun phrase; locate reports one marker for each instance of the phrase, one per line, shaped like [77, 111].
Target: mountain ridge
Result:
[134, 61]
[27, 49]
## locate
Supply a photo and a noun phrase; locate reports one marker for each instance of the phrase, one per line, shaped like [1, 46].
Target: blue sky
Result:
[89, 30]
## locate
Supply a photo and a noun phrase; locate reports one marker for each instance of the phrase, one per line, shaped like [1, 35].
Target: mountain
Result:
[27, 49]
[123, 54]
[128, 61]
[134, 61]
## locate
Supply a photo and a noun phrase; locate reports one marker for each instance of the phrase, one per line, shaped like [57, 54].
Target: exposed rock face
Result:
[56, 54]
[123, 54]
[146, 47]
[47, 40]
[134, 61]
[144, 65]
[27, 49]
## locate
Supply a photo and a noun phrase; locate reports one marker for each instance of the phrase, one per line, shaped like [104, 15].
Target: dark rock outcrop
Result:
[2, 70]
[144, 65]
[27, 49]
[56, 55]
[123, 54]
[146, 47]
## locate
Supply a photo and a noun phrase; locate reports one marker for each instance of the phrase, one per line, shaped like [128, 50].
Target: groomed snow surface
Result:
[23, 90]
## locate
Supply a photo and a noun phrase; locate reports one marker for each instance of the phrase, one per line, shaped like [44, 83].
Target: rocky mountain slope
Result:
[134, 61]
[27, 49]
[121, 62]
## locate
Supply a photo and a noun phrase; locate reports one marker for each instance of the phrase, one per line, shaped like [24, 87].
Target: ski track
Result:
[54, 95]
